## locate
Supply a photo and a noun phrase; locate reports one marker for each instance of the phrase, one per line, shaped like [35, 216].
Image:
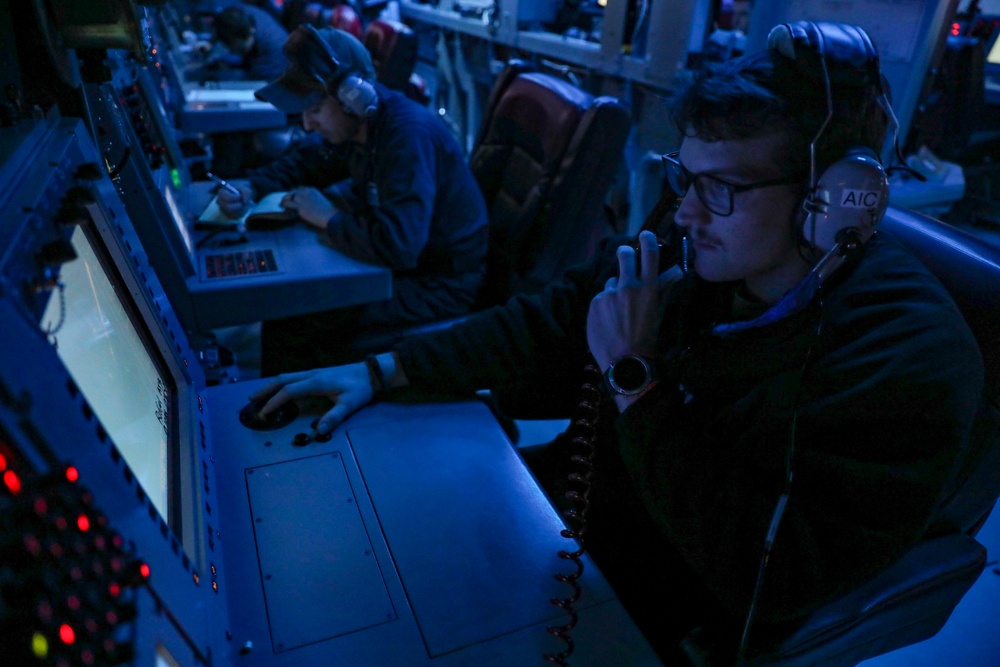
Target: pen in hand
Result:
[232, 189]
[224, 184]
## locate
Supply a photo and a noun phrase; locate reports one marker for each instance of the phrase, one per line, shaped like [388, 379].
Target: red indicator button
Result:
[12, 481]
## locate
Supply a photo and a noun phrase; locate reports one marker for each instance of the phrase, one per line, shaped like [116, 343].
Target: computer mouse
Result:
[281, 416]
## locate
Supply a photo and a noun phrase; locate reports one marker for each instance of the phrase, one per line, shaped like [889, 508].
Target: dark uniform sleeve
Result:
[537, 340]
[312, 163]
[389, 216]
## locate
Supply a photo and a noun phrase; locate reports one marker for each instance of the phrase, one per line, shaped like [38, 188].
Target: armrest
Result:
[906, 603]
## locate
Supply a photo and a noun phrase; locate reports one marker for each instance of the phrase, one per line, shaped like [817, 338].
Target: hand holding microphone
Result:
[625, 317]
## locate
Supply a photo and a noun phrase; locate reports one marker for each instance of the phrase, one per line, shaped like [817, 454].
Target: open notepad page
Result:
[268, 207]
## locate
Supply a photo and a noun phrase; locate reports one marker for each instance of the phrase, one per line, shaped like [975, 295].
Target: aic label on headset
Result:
[860, 198]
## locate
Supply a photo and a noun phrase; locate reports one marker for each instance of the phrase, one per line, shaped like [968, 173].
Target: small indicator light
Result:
[39, 645]
[12, 481]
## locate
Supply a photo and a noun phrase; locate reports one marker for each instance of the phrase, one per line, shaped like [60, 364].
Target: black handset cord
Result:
[584, 427]
[779, 508]
[772, 531]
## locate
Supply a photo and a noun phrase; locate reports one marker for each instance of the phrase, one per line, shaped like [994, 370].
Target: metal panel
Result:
[319, 572]
[473, 537]
[459, 529]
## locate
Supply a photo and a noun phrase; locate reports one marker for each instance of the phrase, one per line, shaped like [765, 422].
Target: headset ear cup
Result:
[853, 192]
[357, 97]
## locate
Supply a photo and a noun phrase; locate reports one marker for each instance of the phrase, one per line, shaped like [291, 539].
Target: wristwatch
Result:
[630, 376]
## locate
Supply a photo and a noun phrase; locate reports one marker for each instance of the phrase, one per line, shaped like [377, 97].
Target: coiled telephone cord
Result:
[584, 431]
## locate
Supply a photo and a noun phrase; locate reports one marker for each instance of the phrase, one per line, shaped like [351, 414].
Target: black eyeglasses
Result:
[716, 194]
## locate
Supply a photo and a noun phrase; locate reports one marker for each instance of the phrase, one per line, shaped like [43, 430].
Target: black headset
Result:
[853, 192]
[356, 95]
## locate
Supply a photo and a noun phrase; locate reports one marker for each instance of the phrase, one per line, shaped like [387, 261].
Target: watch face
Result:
[629, 374]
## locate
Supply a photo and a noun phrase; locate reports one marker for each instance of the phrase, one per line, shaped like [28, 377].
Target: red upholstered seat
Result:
[393, 47]
[545, 157]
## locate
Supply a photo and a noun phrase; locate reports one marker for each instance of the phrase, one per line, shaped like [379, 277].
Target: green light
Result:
[39, 645]
[175, 176]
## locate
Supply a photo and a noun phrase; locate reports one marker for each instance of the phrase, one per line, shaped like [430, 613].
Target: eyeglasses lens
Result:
[677, 176]
[714, 194]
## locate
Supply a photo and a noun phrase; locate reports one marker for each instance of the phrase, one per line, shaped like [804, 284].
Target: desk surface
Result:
[226, 106]
[309, 276]
[447, 553]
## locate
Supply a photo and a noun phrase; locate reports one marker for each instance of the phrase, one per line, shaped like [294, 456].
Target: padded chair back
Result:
[343, 18]
[393, 47]
[970, 270]
[545, 157]
[324, 15]
[968, 267]
[912, 599]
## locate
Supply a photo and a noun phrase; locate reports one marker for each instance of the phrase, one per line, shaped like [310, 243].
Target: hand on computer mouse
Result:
[232, 204]
[311, 206]
[251, 417]
[349, 387]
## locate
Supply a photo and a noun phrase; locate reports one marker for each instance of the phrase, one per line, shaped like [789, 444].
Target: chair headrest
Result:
[393, 47]
[381, 35]
[968, 267]
[543, 105]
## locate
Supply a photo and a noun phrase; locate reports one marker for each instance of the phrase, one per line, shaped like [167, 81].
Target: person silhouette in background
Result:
[385, 181]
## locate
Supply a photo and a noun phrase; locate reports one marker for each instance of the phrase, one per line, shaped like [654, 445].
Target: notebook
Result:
[263, 213]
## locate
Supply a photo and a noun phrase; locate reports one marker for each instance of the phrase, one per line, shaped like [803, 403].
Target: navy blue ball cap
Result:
[316, 60]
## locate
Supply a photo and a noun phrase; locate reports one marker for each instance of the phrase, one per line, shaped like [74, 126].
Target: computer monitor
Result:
[993, 53]
[109, 354]
[176, 214]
